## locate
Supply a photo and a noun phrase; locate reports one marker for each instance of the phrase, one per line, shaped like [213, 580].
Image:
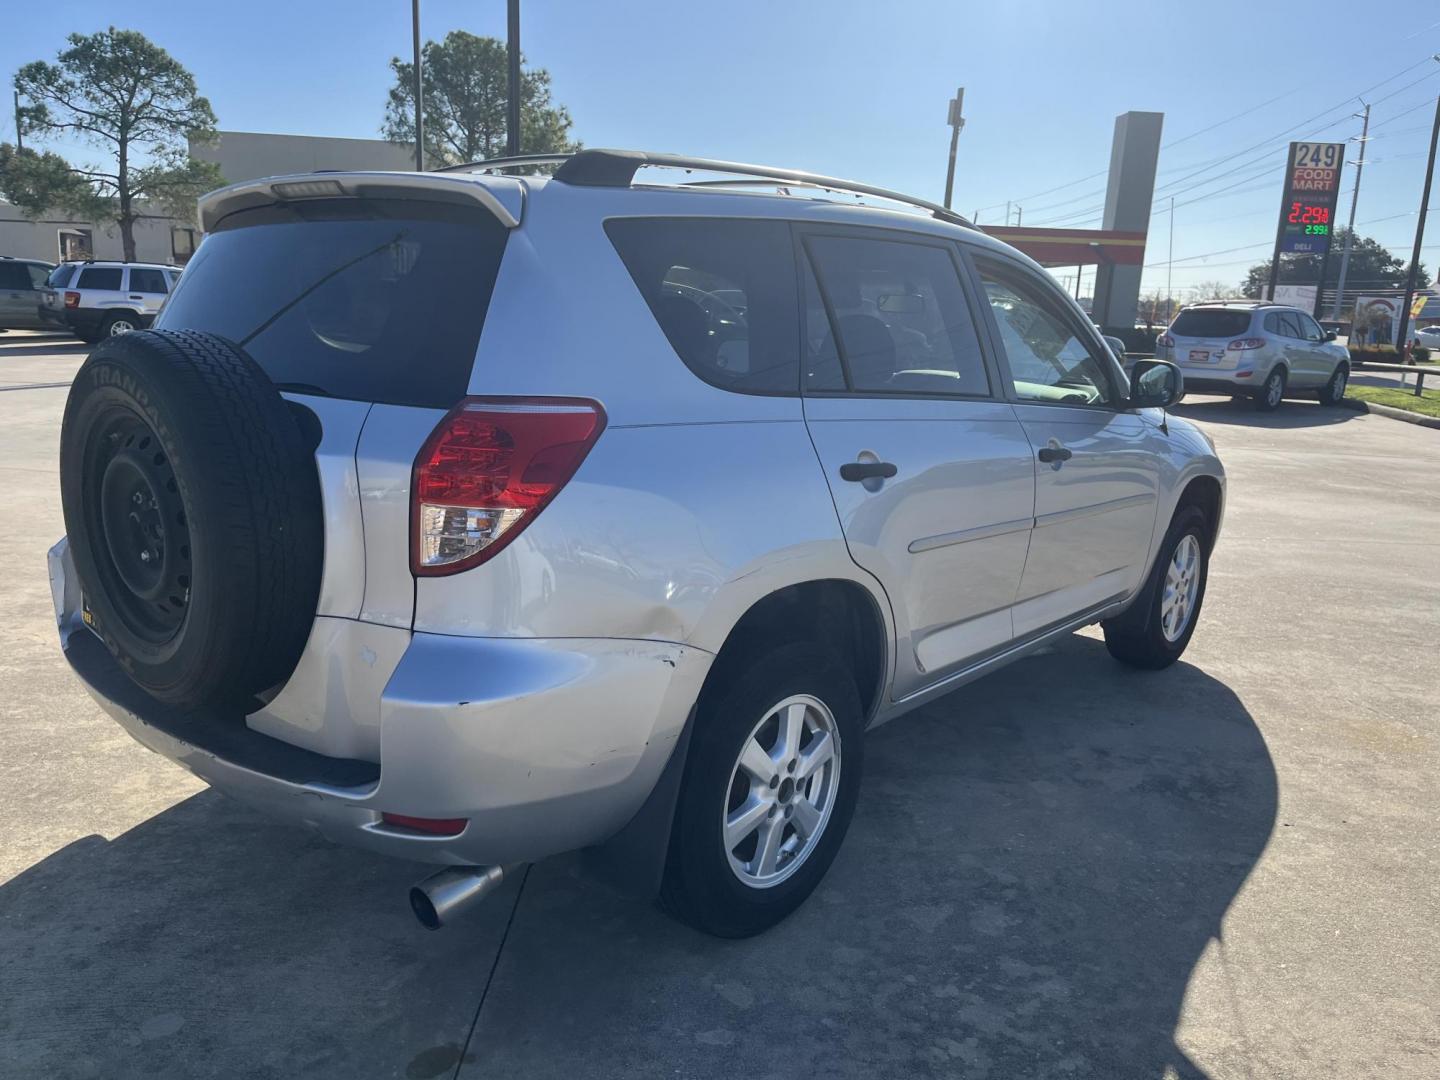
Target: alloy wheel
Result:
[782, 790]
[1182, 585]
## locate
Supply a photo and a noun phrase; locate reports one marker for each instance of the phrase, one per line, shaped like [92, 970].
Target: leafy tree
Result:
[465, 89]
[1371, 267]
[123, 93]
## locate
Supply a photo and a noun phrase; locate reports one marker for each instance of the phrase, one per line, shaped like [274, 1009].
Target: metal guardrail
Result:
[1418, 370]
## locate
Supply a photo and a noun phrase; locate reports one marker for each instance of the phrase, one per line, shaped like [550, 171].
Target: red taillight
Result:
[1165, 341]
[433, 826]
[488, 468]
[1244, 343]
[72, 299]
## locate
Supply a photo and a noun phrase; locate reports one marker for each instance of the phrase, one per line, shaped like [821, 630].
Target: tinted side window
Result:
[1272, 323]
[13, 276]
[1049, 361]
[100, 277]
[1289, 326]
[147, 281]
[723, 291]
[1309, 328]
[899, 314]
[37, 274]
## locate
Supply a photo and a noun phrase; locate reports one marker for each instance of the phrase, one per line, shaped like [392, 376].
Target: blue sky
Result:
[858, 89]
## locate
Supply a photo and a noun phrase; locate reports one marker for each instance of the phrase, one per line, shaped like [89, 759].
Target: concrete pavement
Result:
[1068, 869]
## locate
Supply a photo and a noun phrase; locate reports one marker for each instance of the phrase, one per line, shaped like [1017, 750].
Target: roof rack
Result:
[617, 168]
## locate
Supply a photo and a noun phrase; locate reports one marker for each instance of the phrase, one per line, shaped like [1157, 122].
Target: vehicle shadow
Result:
[59, 348]
[1036, 866]
[1292, 413]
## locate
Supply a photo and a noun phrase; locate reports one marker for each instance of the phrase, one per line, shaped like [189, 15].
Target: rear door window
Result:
[723, 292]
[13, 276]
[899, 315]
[1211, 323]
[143, 280]
[368, 299]
[105, 278]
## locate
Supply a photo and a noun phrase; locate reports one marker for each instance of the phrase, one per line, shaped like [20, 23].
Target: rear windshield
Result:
[1211, 322]
[372, 300]
[60, 276]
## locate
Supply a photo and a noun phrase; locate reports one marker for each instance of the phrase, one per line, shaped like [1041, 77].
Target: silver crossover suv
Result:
[474, 517]
[1255, 350]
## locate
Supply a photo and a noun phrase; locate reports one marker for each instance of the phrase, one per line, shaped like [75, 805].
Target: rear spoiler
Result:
[503, 196]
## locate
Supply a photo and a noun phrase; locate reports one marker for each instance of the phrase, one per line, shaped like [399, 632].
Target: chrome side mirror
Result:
[1155, 384]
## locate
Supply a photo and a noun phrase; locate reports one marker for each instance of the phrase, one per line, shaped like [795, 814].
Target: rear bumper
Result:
[543, 746]
[1210, 381]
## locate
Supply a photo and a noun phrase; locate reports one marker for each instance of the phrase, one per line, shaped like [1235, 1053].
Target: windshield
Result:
[60, 276]
[373, 300]
[1212, 322]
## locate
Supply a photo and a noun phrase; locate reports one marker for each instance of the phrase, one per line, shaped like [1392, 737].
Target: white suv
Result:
[97, 299]
[1255, 350]
[474, 518]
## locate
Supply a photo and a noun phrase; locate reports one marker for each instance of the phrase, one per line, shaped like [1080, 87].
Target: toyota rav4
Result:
[474, 517]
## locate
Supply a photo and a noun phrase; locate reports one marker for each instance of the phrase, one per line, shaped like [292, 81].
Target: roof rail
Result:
[617, 168]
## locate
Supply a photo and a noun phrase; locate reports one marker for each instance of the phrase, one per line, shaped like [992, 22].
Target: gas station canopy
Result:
[1074, 247]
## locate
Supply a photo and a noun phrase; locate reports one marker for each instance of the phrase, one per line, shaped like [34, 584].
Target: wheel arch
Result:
[836, 612]
[1206, 493]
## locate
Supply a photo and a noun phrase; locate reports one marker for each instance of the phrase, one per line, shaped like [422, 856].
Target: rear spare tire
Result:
[192, 507]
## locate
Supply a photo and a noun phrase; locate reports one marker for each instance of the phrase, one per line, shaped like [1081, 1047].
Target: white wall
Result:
[27, 239]
[248, 155]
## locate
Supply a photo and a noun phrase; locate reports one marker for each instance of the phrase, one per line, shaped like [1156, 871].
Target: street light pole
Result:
[512, 105]
[1350, 229]
[1419, 233]
[956, 121]
[1170, 265]
[419, 91]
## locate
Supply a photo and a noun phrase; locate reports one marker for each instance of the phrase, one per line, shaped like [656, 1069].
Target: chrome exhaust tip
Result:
[444, 897]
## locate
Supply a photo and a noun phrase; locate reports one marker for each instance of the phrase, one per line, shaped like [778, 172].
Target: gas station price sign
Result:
[1312, 186]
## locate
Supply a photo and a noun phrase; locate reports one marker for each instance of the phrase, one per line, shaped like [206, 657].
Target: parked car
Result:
[94, 300]
[1255, 350]
[20, 283]
[1428, 337]
[729, 478]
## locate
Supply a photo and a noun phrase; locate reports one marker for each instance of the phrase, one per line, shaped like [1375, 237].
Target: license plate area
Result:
[1199, 356]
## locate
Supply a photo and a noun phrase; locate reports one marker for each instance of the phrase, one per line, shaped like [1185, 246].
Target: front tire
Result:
[1333, 392]
[1155, 631]
[1269, 396]
[770, 786]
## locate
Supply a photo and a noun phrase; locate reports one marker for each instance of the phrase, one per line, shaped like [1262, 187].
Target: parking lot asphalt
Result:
[1069, 869]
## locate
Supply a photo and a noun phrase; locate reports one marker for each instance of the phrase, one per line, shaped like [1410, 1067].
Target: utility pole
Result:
[19, 135]
[1007, 212]
[512, 105]
[1419, 233]
[956, 122]
[419, 91]
[1018, 211]
[1170, 267]
[1359, 164]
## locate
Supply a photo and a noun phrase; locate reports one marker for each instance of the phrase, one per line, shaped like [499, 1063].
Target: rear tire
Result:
[1269, 396]
[1333, 392]
[736, 890]
[120, 322]
[192, 506]
[1151, 635]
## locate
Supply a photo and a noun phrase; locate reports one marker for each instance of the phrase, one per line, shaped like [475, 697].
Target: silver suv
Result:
[95, 300]
[474, 518]
[1255, 350]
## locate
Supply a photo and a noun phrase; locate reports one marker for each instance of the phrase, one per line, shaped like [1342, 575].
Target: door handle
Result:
[1050, 454]
[134, 297]
[867, 470]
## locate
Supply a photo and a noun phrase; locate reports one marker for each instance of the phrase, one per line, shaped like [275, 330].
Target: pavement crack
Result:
[490, 978]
